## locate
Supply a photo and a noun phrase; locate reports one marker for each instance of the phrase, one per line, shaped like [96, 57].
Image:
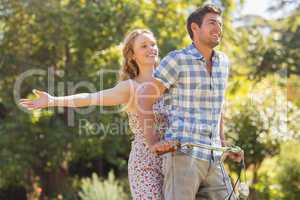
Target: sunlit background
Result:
[54, 45]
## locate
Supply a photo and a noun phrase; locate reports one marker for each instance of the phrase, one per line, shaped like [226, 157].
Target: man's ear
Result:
[194, 27]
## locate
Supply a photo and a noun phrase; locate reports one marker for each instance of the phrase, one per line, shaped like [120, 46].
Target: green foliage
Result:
[268, 186]
[289, 170]
[74, 40]
[96, 189]
[261, 119]
[279, 175]
[257, 121]
[269, 46]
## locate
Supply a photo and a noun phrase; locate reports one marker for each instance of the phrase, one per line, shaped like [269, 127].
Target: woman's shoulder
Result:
[131, 85]
[127, 84]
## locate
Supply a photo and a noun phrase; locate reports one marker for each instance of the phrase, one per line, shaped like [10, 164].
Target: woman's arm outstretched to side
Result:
[120, 94]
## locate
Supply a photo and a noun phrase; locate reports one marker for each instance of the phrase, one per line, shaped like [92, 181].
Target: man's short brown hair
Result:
[198, 15]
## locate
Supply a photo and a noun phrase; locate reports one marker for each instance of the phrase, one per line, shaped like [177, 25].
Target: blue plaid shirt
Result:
[194, 99]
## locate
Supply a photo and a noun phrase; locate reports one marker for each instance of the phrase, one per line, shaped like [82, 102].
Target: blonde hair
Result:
[130, 68]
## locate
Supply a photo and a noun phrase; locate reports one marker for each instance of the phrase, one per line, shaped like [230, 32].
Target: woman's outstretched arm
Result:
[120, 94]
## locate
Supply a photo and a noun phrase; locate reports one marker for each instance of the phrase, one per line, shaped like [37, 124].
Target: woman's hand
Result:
[120, 94]
[163, 147]
[43, 100]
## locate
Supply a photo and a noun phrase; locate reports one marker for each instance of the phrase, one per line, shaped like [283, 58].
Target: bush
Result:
[279, 175]
[289, 170]
[96, 189]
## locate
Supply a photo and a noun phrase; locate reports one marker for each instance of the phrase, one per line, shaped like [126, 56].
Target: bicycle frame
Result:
[243, 191]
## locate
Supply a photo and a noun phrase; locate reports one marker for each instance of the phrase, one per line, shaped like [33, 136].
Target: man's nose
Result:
[218, 28]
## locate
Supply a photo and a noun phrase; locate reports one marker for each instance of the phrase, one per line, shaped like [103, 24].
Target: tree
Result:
[271, 44]
[257, 122]
[62, 36]
[72, 40]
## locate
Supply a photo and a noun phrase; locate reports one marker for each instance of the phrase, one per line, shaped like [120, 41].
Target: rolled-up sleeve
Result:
[167, 72]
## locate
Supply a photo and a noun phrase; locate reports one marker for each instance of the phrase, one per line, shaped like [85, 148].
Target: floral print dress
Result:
[145, 167]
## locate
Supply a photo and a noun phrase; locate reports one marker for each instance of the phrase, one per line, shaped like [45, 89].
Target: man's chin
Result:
[214, 44]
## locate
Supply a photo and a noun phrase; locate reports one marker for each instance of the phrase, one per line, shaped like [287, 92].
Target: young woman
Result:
[140, 54]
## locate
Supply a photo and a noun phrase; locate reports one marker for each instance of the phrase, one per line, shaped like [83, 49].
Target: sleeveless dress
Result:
[144, 167]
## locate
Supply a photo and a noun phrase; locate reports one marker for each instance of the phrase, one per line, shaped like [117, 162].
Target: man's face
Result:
[210, 31]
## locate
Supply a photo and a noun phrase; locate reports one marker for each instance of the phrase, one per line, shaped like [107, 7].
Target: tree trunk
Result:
[33, 191]
[54, 182]
[253, 193]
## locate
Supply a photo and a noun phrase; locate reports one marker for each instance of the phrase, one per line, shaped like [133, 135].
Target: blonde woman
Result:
[140, 54]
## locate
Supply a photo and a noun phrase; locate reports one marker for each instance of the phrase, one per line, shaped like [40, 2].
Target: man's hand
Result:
[235, 156]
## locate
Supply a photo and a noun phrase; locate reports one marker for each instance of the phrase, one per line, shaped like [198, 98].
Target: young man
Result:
[193, 82]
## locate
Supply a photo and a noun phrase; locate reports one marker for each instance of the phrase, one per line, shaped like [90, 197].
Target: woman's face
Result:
[145, 50]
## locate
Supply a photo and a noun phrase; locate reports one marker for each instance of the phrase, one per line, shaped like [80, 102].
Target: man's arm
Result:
[237, 157]
[164, 77]
[147, 96]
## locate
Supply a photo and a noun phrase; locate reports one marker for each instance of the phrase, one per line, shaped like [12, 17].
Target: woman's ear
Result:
[132, 54]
